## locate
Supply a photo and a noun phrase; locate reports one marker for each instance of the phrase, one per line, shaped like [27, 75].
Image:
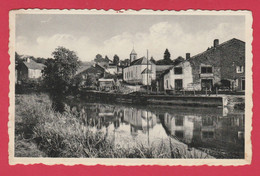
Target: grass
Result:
[42, 132]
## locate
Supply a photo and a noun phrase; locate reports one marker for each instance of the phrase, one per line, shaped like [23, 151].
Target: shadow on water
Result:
[216, 131]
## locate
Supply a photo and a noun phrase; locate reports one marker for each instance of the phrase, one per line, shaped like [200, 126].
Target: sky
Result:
[88, 35]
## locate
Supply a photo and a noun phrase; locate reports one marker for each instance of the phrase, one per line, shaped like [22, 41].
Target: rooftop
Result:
[141, 61]
[34, 65]
[147, 71]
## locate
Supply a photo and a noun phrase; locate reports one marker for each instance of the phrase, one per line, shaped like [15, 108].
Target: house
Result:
[178, 77]
[113, 69]
[106, 84]
[133, 73]
[147, 77]
[221, 64]
[160, 69]
[29, 70]
[89, 75]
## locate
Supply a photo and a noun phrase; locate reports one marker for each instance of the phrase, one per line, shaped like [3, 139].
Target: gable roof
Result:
[141, 61]
[147, 71]
[209, 50]
[34, 65]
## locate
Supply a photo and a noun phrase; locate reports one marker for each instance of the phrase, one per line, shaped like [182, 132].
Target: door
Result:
[243, 84]
[178, 84]
[206, 84]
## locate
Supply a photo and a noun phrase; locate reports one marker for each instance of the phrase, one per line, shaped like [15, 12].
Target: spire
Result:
[133, 51]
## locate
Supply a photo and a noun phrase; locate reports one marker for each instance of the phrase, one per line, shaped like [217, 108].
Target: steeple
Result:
[133, 55]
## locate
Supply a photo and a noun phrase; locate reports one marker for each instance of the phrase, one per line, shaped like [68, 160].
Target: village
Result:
[221, 66]
[219, 70]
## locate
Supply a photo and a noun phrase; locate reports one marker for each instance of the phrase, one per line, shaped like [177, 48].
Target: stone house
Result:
[221, 64]
[29, 70]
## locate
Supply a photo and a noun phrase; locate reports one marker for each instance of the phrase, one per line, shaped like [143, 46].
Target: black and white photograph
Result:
[130, 87]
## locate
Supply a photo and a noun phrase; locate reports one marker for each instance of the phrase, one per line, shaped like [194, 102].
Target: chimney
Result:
[187, 56]
[28, 60]
[216, 43]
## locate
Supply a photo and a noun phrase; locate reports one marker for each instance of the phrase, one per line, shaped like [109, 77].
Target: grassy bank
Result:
[42, 132]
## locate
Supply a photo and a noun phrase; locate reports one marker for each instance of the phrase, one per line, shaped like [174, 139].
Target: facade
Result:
[106, 84]
[29, 70]
[221, 64]
[133, 73]
[147, 77]
[178, 77]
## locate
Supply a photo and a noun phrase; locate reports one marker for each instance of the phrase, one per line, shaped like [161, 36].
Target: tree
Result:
[116, 59]
[107, 59]
[98, 58]
[152, 60]
[167, 55]
[59, 72]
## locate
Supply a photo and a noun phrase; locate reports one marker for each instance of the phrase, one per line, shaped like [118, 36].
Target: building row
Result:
[220, 65]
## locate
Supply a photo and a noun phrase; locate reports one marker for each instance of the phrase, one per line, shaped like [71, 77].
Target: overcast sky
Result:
[88, 35]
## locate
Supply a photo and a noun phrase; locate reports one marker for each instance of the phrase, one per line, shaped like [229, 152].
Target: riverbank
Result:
[42, 132]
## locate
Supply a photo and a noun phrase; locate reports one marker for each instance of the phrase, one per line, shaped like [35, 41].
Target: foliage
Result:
[167, 55]
[59, 71]
[178, 60]
[98, 58]
[116, 59]
[152, 60]
[125, 62]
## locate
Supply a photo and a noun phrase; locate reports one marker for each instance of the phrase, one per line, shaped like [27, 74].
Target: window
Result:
[207, 69]
[178, 121]
[167, 86]
[240, 69]
[177, 70]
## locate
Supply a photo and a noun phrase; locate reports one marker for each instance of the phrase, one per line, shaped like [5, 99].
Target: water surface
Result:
[218, 132]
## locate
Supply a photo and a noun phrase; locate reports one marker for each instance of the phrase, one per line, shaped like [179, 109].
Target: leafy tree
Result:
[116, 59]
[98, 58]
[167, 55]
[107, 59]
[152, 60]
[18, 58]
[59, 71]
[178, 60]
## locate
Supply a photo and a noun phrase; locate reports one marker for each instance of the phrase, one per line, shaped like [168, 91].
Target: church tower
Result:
[133, 56]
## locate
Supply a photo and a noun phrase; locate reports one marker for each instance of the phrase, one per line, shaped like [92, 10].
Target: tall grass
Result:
[42, 132]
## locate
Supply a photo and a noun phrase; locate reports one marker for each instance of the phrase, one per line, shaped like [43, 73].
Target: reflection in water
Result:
[205, 129]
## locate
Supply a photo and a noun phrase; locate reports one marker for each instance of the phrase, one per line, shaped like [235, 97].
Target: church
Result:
[140, 71]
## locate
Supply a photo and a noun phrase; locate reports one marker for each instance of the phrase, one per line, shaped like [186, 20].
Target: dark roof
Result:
[160, 69]
[146, 71]
[141, 61]
[94, 69]
[213, 48]
[34, 65]
[82, 68]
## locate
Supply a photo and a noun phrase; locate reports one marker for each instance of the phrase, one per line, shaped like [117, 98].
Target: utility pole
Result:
[147, 73]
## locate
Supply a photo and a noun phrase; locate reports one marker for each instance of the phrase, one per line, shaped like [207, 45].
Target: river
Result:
[218, 132]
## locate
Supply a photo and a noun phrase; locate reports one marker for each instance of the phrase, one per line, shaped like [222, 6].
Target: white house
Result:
[133, 73]
[178, 77]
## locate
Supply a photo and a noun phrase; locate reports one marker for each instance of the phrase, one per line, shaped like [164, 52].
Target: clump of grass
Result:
[40, 131]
